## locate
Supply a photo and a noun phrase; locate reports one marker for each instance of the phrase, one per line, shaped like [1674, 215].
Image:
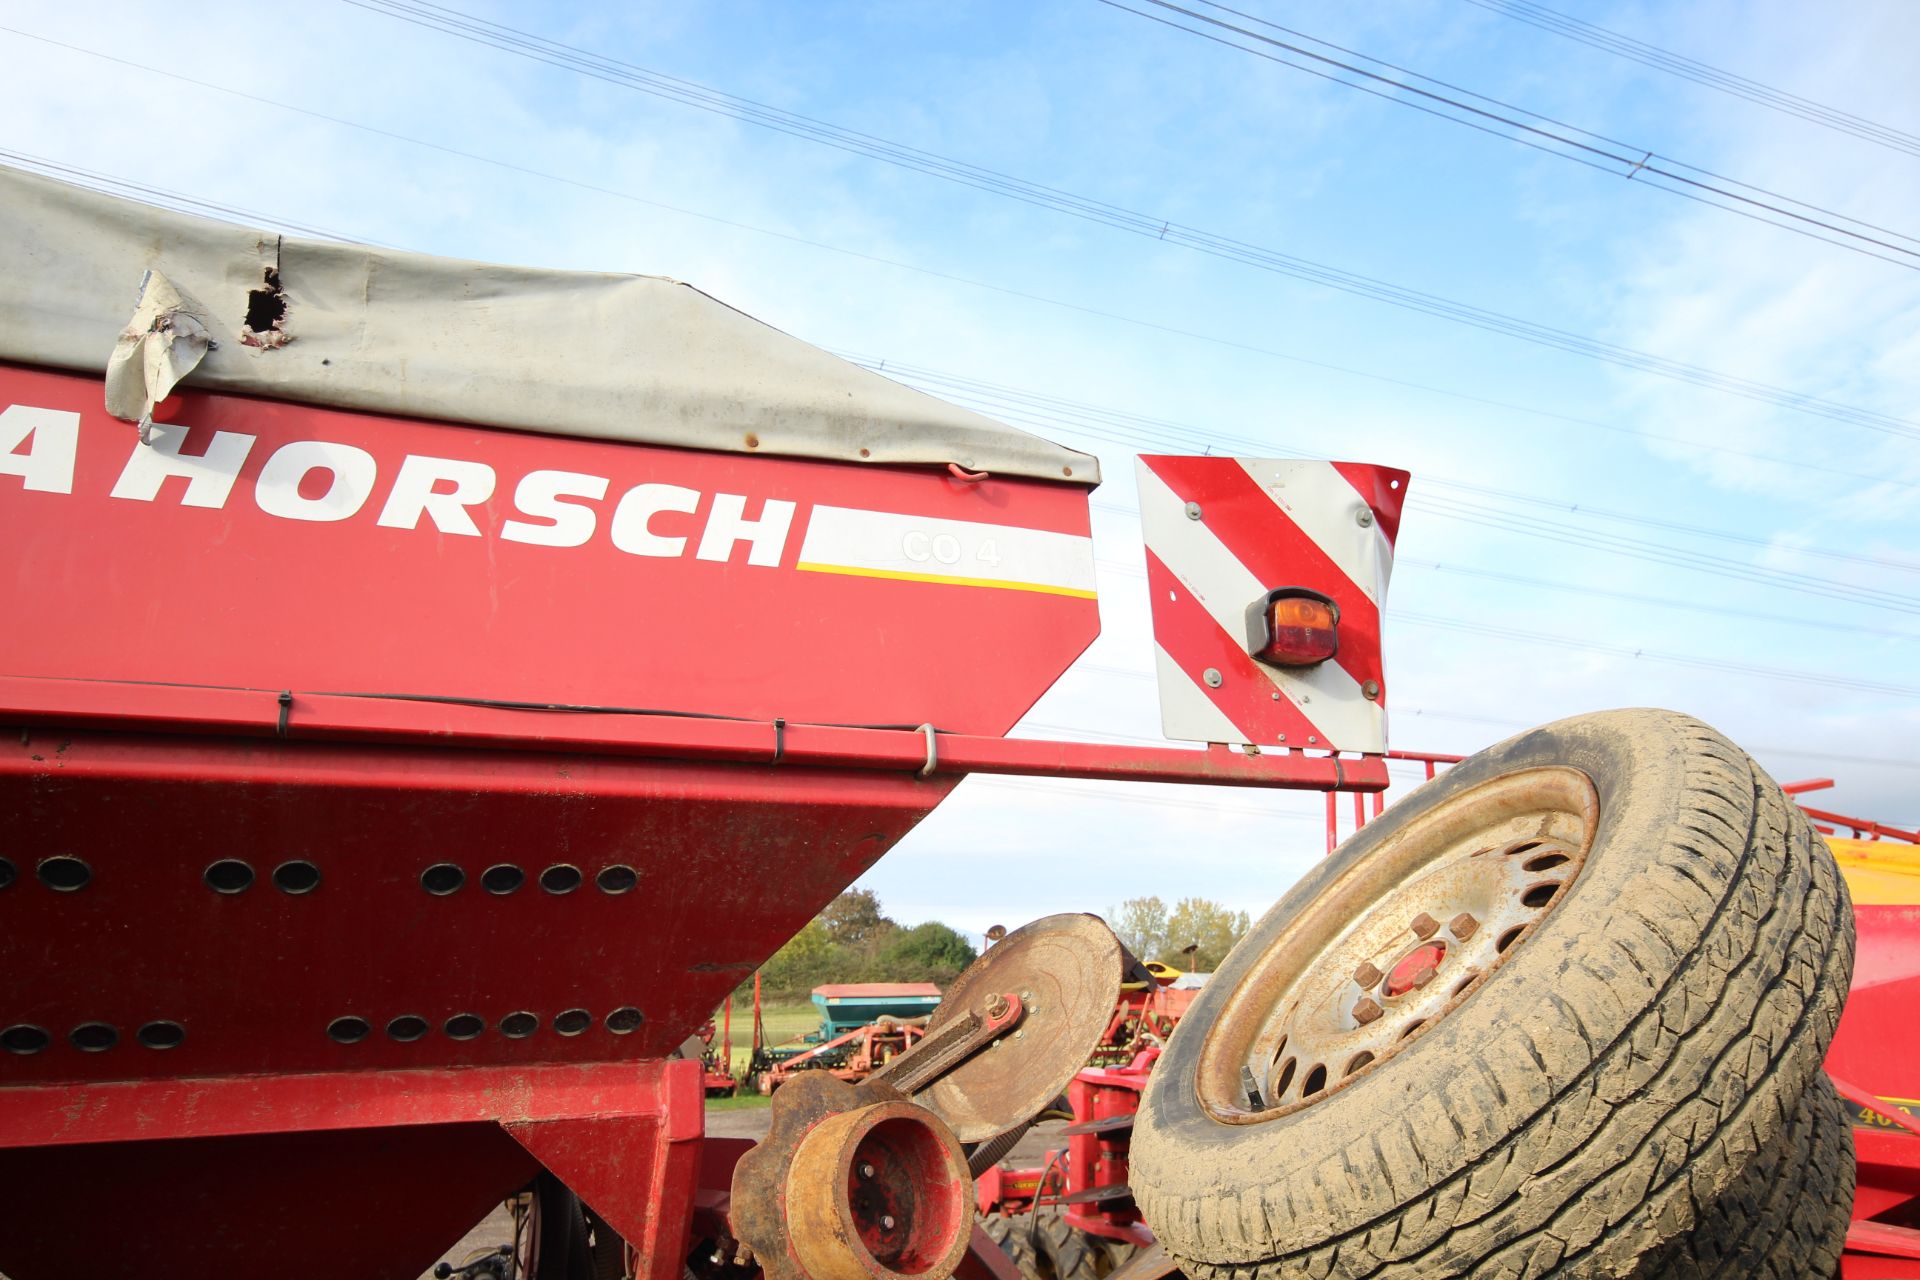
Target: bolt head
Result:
[886, 1221]
[1425, 926]
[1363, 517]
[1463, 926]
[866, 1170]
[1366, 1011]
[1212, 676]
[1366, 975]
[1370, 690]
[996, 1006]
[1193, 511]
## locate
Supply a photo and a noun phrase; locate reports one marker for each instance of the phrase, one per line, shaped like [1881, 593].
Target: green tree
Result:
[854, 920]
[930, 952]
[1142, 926]
[804, 963]
[1205, 923]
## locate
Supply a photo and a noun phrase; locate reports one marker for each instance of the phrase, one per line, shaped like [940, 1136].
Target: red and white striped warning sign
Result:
[1223, 532]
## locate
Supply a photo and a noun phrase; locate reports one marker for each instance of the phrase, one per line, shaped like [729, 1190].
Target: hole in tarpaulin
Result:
[267, 305]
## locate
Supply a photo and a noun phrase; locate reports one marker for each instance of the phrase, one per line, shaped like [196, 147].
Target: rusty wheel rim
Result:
[1396, 943]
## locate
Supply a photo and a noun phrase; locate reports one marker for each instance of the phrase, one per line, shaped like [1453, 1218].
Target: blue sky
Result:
[1079, 96]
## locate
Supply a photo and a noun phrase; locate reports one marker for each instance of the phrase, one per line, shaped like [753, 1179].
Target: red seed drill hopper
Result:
[431, 687]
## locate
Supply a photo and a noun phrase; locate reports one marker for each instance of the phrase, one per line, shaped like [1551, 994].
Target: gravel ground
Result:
[743, 1122]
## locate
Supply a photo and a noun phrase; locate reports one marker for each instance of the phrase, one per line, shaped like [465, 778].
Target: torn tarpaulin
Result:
[162, 343]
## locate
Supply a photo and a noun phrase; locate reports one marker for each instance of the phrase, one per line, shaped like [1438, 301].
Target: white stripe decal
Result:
[1326, 507]
[883, 544]
[1326, 694]
[1187, 713]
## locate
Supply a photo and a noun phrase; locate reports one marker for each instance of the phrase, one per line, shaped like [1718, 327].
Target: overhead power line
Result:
[1502, 631]
[640, 79]
[947, 384]
[1572, 587]
[1531, 129]
[158, 195]
[1825, 625]
[1705, 74]
[1036, 409]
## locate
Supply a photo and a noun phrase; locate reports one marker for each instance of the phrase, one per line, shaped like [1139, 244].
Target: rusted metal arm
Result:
[941, 1051]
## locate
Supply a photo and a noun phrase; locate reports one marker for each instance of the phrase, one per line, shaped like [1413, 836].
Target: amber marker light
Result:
[1293, 627]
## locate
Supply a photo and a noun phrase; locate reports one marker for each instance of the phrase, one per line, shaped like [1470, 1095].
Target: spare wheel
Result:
[1521, 1024]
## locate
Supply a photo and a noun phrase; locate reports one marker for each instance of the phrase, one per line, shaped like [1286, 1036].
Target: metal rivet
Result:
[1363, 517]
[1193, 511]
[1310, 737]
[866, 1171]
[886, 1221]
[348, 1030]
[1212, 676]
[93, 1037]
[464, 1026]
[519, 1025]
[1370, 690]
[502, 878]
[407, 1027]
[161, 1035]
[442, 878]
[64, 875]
[296, 877]
[561, 877]
[24, 1038]
[623, 1020]
[617, 879]
[229, 875]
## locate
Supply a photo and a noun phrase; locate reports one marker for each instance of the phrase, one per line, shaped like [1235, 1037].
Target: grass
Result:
[738, 1102]
[783, 1019]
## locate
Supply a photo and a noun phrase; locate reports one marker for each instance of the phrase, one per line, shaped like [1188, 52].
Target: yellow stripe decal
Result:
[900, 576]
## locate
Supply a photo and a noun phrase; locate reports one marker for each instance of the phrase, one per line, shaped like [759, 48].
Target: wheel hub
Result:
[1400, 940]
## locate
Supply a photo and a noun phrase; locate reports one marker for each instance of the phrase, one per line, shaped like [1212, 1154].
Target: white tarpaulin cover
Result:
[86, 277]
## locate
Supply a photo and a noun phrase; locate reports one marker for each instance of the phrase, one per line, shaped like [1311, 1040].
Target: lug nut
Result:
[1366, 975]
[1425, 926]
[1421, 977]
[1366, 1011]
[1463, 926]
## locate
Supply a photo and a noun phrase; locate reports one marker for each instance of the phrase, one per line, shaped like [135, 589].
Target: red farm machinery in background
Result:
[433, 687]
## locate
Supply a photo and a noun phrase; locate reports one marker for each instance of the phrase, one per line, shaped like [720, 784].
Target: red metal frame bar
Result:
[1862, 828]
[1860, 1097]
[346, 717]
[63, 1113]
